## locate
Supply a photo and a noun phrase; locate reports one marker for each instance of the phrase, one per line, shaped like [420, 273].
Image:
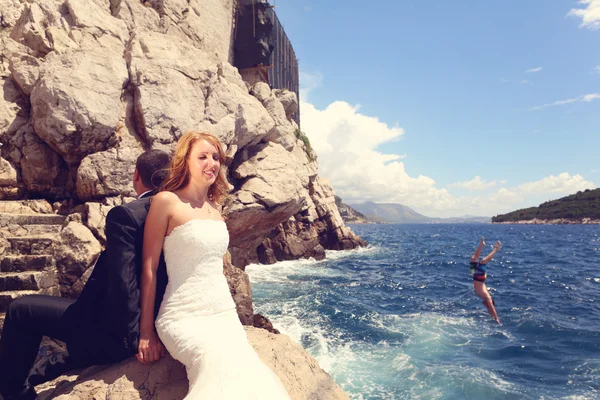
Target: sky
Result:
[452, 108]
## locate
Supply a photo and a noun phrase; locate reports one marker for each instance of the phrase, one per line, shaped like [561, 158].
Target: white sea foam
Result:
[592, 395]
[340, 254]
[280, 271]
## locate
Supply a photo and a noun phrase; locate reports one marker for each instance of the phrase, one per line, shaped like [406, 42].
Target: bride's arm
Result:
[150, 348]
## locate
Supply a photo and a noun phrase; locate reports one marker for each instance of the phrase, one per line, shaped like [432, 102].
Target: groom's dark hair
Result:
[153, 167]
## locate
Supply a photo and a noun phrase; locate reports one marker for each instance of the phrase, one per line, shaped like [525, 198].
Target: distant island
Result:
[580, 208]
[391, 213]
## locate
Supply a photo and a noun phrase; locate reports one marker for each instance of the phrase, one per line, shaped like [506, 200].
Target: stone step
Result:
[29, 280]
[7, 297]
[31, 230]
[26, 263]
[7, 219]
[2, 316]
[36, 245]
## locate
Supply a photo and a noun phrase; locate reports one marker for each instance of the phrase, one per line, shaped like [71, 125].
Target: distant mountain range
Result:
[400, 214]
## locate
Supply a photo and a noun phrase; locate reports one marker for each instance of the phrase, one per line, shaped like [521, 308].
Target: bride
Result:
[197, 321]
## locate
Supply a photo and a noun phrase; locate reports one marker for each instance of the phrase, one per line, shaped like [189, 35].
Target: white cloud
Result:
[347, 142]
[562, 184]
[525, 82]
[589, 97]
[585, 98]
[538, 69]
[597, 69]
[589, 14]
[505, 196]
[532, 194]
[474, 184]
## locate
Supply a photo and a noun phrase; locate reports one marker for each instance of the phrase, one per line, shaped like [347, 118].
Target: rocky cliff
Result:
[299, 373]
[87, 86]
[349, 214]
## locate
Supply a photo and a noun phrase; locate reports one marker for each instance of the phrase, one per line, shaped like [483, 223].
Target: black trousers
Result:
[28, 319]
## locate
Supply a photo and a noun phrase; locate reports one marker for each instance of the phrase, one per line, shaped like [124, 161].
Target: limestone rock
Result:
[170, 84]
[289, 100]
[96, 219]
[80, 118]
[136, 15]
[252, 121]
[96, 20]
[8, 175]
[14, 112]
[26, 207]
[271, 176]
[30, 29]
[75, 251]
[333, 234]
[241, 290]
[262, 322]
[107, 173]
[127, 380]
[204, 24]
[10, 10]
[42, 169]
[25, 71]
[283, 132]
[298, 371]
[290, 241]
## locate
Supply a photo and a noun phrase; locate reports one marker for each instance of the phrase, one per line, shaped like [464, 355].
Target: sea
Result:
[399, 319]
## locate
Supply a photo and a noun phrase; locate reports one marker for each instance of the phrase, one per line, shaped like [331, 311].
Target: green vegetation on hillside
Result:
[584, 204]
[307, 147]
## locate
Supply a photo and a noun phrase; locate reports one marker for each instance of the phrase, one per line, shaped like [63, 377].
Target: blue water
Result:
[400, 320]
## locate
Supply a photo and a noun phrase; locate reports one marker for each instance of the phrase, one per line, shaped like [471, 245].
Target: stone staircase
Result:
[27, 265]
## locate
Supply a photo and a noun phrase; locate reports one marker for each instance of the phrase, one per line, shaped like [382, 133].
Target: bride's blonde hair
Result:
[179, 171]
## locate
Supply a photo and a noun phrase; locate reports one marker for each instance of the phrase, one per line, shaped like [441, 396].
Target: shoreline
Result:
[557, 221]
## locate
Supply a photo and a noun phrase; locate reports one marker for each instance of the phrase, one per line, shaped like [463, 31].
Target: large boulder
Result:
[271, 189]
[43, 171]
[75, 252]
[298, 371]
[80, 118]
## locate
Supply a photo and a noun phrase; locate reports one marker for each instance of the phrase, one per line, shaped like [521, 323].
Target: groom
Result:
[102, 325]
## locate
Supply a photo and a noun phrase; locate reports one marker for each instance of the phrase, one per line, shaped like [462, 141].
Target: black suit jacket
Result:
[109, 304]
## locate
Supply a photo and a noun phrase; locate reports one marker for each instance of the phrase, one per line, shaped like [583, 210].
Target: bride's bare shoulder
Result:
[166, 199]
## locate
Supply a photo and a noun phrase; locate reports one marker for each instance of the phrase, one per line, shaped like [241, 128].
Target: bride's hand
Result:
[150, 348]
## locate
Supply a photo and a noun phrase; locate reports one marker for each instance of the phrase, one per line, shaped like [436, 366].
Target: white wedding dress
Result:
[198, 322]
